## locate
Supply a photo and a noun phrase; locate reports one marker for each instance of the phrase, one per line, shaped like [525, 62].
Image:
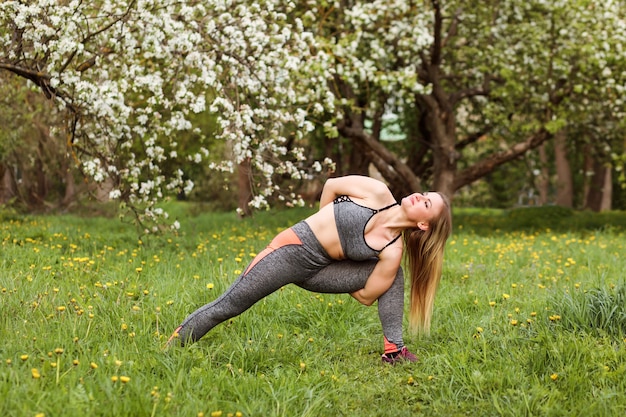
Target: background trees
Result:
[479, 85]
[522, 101]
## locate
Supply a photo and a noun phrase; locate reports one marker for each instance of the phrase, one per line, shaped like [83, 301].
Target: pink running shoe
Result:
[402, 356]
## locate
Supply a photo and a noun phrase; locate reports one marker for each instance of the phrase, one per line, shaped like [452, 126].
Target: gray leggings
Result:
[295, 256]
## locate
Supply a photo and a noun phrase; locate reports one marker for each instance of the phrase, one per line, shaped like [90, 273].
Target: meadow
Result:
[530, 320]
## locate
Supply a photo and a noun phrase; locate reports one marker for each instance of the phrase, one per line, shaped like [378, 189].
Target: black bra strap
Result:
[390, 243]
[385, 208]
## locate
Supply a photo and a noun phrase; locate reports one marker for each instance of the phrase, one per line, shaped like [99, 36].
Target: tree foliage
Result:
[476, 84]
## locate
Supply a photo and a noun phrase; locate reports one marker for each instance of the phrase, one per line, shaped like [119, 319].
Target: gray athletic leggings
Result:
[295, 256]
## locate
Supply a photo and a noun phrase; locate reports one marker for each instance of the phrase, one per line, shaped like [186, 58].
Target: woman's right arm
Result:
[356, 186]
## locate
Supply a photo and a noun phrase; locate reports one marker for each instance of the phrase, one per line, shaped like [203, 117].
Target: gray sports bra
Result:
[351, 219]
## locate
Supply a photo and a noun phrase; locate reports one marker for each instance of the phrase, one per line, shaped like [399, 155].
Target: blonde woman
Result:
[351, 245]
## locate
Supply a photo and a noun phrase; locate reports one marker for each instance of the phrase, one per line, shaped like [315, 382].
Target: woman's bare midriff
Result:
[323, 226]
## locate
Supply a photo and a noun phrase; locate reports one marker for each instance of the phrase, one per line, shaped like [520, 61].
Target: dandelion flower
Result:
[124, 379]
[554, 377]
[35, 373]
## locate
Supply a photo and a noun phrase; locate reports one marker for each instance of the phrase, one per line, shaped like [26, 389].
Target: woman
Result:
[351, 245]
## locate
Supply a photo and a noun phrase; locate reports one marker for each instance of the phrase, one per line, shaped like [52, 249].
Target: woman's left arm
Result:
[382, 276]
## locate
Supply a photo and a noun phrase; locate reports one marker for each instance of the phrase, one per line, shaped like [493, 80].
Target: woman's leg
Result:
[349, 276]
[291, 257]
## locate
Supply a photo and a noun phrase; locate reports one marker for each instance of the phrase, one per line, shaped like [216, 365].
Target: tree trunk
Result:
[600, 188]
[543, 182]
[564, 182]
[359, 162]
[7, 184]
[588, 174]
[607, 195]
[70, 189]
[244, 178]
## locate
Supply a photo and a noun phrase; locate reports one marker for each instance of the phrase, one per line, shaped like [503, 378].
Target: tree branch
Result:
[489, 164]
[385, 161]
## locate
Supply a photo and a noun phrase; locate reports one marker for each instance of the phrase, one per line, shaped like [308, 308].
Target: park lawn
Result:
[530, 319]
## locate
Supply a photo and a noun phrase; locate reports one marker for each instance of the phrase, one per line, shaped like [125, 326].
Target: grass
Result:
[529, 320]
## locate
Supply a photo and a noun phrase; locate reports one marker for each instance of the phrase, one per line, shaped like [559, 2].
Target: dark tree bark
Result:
[564, 182]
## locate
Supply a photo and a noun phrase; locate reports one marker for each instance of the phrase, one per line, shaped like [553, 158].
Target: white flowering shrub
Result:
[130, 73]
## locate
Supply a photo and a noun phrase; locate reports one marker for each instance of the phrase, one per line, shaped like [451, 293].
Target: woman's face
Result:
[422, 208]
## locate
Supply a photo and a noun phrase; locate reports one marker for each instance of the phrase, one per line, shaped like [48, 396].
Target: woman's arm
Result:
[357, 186]
[382, 276]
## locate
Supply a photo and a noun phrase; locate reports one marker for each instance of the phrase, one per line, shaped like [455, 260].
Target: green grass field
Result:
[530, 320]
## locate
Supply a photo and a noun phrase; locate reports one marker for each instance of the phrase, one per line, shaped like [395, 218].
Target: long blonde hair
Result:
[424, 257]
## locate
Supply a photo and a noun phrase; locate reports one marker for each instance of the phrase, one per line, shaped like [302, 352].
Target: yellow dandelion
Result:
[24, 357]
[138, 269]
[58, 351]
[124, 379]
[217, 413]
[93, 365]
[61, 308]
[514, 322]
[410, 381]
[492, 303]
[35, 373]
[114, 378]
[506, 296]
[302, 366]
[554, 377]
[210, 286]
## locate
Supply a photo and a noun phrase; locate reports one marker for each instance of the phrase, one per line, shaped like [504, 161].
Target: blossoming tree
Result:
[497, 79]
[130, 73]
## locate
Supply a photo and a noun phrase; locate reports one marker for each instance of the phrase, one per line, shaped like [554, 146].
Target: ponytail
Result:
[424, 252]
